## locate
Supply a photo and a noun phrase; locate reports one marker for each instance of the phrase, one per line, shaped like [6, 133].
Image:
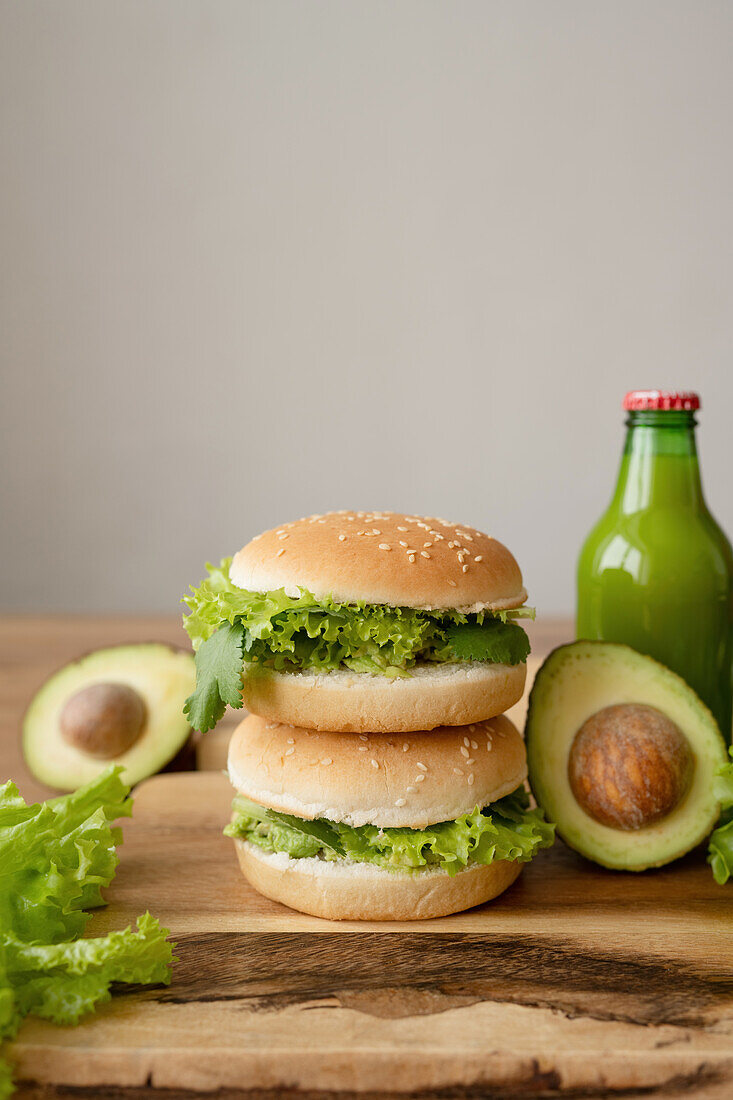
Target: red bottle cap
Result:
[638, 400]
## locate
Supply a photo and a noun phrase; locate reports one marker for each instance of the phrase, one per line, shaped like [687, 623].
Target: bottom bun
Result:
[359, 891]
[357, 702]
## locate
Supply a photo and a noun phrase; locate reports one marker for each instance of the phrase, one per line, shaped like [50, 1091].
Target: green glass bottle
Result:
[656, 571]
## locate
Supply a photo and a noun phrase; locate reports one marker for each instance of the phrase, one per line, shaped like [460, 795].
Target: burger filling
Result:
[229, 626]
[505, 830]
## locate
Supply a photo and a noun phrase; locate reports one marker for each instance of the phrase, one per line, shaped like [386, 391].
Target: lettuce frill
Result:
[506, 830]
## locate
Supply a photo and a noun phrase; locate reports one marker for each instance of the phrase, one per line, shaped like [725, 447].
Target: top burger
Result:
[361, 622]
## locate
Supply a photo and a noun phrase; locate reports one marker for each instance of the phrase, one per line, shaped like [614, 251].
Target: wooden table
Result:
[575, 983]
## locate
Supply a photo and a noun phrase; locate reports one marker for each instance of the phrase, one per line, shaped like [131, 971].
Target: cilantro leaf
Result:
[492, 640]
[218, 677]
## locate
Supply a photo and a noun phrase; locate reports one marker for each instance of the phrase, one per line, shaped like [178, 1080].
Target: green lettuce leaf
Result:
[55, 858]
[506, 830]
[720, 850]
[292, 633]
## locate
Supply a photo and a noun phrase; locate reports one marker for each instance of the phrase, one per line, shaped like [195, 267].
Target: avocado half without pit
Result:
[122, 705]
[622, 755]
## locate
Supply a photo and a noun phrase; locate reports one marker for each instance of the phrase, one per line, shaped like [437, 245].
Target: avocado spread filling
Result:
[505, 830]
[229, 626]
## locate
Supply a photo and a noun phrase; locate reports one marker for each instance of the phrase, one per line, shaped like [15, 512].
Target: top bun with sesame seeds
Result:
[383, 558]
[391, 781]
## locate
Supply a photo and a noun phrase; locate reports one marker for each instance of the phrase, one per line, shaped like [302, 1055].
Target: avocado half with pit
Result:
[622, 755]
[122, 705]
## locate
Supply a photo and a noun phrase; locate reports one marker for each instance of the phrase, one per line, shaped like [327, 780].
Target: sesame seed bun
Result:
[432, 695]
[383, 558]
[403, 781]
[359, 891]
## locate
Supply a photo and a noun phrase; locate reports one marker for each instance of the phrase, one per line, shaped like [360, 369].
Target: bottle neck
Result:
[659, 465]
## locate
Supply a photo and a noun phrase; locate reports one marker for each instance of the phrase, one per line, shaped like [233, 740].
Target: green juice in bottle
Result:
[656, 571]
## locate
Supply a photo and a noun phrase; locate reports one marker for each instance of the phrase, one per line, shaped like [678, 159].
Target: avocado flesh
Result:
[162, 676]
[575, 682]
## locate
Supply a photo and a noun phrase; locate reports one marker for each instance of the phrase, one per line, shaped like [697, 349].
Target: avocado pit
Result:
[629, 766]
[103, 720]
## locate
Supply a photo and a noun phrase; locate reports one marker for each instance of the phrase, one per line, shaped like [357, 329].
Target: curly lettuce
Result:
[720, 849]
[55, 858]
[229, 625]
[506, 830]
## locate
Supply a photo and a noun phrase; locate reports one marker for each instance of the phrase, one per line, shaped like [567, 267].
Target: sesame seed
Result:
[363, 736]
[411, 557]
[384, 546]
[290, 741]
[464, 751]
[424, 554]
[458, 771]
[470, 760]
[489, 746]
[470, 780]
[452, 545]
[422, 767]
[465, 568]
[401, 528]
[405, 747]
[283, 536]
[438, 537]
[426, 544]
[466, 742]
[468, 538]
[363, 748]
[452, 584]
[272, 725]
[472, 727]
[419, 778]
[474, 744]
[376, 531]
[342, 538]
[289, 752]
[374, 763]
[411, 790]
[402, 543]
[350, 519]
[479, 557]
[326, 761]
[400, 801]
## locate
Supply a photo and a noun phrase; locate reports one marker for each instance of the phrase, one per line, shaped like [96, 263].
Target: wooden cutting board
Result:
[577, 983]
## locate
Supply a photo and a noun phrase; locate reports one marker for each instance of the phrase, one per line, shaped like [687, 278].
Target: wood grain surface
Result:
[577, 982]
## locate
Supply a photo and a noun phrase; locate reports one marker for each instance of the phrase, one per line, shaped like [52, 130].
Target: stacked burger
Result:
[376, 776]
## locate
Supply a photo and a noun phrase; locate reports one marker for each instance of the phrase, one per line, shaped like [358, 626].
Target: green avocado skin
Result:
[162, 675]
[576, 681]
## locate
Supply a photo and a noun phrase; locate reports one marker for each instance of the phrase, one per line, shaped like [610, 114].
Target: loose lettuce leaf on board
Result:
[55, 858]
[720, 849]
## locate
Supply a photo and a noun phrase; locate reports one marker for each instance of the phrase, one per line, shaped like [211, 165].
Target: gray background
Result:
[266, 258]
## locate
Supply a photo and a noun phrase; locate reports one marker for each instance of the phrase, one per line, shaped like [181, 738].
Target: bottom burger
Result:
[382, 826]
